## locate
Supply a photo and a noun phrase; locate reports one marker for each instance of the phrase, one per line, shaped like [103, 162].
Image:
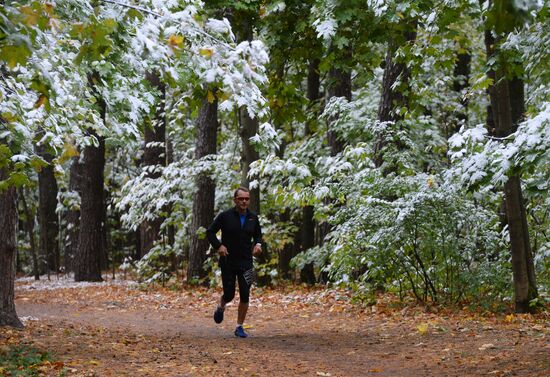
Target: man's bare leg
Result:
[243, 308]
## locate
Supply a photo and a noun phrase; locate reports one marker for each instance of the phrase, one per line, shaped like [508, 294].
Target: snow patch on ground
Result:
[28, 319]
[65, 281]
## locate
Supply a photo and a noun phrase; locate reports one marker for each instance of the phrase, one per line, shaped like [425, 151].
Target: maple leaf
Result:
[207, 52]
[176, 41]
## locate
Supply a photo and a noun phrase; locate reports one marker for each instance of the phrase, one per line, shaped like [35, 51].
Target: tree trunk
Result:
[249, 128]
[507, 102]
[393, 97]
[307, 274]
[171, 232]
[248, 125]
[204, 196]
[91, 240]
[154, 155]
[30, 230]
[73, 214]
[8, 249]
[286, 254]
[47, 218]
[462, 76]
[339, 85]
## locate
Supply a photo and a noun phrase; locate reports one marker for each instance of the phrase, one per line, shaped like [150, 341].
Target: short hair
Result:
[240, 189]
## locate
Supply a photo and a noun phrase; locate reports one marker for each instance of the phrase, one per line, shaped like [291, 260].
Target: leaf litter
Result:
[119, 328]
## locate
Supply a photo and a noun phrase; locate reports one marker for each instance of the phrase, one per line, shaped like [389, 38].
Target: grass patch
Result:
[22, 361]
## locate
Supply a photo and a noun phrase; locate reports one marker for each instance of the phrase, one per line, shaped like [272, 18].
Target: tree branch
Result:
[148, 11]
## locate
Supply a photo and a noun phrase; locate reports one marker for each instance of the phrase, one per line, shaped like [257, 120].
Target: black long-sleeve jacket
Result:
[238, 240]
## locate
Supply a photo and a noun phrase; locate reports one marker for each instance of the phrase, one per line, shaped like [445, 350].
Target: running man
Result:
[241, 239]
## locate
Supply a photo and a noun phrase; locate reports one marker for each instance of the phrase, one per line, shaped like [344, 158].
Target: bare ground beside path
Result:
[117, 330]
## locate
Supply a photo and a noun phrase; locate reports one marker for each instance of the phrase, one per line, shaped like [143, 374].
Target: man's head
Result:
[241, 197]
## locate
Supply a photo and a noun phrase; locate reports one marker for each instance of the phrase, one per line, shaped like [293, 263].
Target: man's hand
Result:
[257, 249]
[222, 250]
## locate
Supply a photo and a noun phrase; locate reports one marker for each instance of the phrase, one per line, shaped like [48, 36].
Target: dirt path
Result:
[111, 330]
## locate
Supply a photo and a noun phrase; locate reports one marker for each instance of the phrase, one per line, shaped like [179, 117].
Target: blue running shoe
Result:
[218, 314]
[239, 332]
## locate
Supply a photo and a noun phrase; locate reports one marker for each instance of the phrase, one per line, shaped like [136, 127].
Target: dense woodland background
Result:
[389, 145]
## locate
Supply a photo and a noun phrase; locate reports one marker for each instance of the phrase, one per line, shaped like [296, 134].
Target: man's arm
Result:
[257, 249]
[212, 230]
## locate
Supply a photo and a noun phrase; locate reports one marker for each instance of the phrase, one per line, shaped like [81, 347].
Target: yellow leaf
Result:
[509, 318]
[430, 182]
[31, 16]
[175, 41]
[422, 328]
[69, 151]
[222, 96]
[210, 97]
[48, 8]
[206, 52]
[247, 326]
[94, 362]
[41, 101]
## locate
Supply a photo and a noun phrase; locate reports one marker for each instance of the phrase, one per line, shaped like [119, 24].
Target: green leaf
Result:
[37, 163]
[5, 155]
[18, 179]
[14, 55]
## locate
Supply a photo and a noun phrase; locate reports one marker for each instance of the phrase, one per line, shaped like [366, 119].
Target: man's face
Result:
[242, 200]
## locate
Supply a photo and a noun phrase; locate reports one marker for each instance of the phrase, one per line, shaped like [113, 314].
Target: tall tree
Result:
[154, 154]
[30, 218]
[307, 274]
[460, 82]
[243, 20]
[339, 85]
[508, 106]
[395, 83]
[73, 213]
[91, 236]
[205, 189]
[8, 250]
[47, 217]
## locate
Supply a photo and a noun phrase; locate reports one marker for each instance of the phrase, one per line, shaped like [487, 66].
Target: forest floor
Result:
[118, 329]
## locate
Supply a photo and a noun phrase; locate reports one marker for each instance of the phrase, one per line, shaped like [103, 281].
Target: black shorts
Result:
[229, 275]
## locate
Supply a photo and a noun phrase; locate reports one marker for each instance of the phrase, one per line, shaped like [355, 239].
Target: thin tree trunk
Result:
[47, 218]
[154, 155]
[462, 76]
[507, 101]
[203, 198]
[8, 250]
[286, 254]
[249, 128]
[393, 98]
[171, 228]
[339, 85]
[243, 23]
[73, 214]
[30, 230]
[307, 274]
